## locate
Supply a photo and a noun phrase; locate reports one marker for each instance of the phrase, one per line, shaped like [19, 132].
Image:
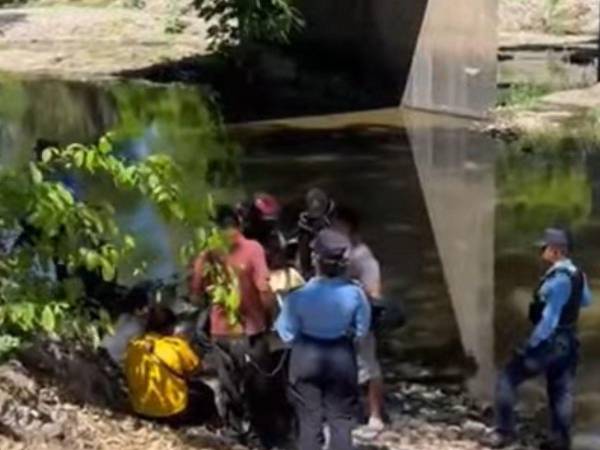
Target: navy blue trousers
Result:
[324, 390]
[557, 360]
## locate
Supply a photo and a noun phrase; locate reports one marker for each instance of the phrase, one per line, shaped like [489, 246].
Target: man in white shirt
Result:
[364, 268]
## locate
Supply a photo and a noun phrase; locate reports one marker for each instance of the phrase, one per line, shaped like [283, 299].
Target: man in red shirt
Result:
[243, 346]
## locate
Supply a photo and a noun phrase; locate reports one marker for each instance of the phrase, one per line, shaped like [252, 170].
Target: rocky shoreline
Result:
[67, 399]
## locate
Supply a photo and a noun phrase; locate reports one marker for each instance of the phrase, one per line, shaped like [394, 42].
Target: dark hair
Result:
[348, 216]
[161, 320]
[227, 217]
[137, 297]
[332, 268]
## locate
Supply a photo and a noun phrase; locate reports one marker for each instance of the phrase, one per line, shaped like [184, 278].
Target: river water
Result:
[450, 214]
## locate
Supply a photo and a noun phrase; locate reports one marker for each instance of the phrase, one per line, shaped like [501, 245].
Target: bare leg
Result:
[375, 398]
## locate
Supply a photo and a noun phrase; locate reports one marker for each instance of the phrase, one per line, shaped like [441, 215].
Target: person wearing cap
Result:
[320, 322]
[318, 215]
[552, 349]
[242, 388]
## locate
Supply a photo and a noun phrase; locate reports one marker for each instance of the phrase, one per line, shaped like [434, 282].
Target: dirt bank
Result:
[562, 17]
[58, 397]
[78, 41]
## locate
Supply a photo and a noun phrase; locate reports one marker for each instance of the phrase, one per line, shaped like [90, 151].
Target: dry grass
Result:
[549, 16]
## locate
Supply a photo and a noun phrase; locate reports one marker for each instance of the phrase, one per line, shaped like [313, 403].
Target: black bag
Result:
[377, 314]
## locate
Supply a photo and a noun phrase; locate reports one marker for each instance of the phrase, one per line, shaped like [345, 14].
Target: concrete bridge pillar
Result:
[438, 55]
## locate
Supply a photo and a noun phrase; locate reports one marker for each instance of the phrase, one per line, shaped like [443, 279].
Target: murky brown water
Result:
[450, 215]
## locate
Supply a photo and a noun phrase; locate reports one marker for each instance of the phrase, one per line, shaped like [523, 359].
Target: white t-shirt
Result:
[364, 267]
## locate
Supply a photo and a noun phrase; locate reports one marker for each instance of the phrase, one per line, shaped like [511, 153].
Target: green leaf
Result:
[90, 159]
[79, 158]
[104, 146]
[48, 320]
[129, 242]
[108, 269]
[48, 154]
[92, 260]
[36, 175]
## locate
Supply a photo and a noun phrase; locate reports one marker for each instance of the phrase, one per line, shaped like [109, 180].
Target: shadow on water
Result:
[449, 215]
[307, 81]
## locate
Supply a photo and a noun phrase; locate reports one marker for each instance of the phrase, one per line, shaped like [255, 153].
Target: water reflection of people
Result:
[553, 347]
[320, 320]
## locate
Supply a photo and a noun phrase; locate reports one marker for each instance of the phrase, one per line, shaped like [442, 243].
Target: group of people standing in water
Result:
[319, 292]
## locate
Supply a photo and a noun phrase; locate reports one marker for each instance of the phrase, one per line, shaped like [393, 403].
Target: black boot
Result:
[555, 444]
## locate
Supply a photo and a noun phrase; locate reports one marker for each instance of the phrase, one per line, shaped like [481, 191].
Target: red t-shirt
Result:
[247, 258]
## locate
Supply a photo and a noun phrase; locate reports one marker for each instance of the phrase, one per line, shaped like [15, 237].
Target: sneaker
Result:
[376, 424]
[498, 440]
[369, 431]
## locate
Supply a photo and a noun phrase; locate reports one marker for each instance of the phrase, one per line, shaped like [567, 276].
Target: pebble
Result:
[422, 417]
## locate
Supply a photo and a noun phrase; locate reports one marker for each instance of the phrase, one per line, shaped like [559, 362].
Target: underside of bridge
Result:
[438, 55]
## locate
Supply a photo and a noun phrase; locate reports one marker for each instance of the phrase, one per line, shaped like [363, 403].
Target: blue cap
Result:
[554, 237]
[331, 244]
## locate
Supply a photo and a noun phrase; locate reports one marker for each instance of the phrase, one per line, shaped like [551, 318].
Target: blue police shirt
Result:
[325, 308]
[555, 293]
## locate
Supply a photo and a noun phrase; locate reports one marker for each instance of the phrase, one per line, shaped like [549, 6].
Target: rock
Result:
[474, 430]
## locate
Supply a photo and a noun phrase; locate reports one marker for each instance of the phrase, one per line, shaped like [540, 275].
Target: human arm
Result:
[260, 278]
[370, 277]
[556, 292]
[363, 315]
[587, 293]
[287, 324]
[188, 359]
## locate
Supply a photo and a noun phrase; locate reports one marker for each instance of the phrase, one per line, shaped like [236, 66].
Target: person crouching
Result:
[159, 369]
[320, 321]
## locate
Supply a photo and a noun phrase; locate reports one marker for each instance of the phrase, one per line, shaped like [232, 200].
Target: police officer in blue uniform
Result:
[320, 321]
[552, 349]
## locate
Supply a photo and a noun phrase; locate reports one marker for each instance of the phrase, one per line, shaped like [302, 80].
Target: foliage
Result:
[538, 187]
[522, 95]
[249, 22]
[556, 18]
[579, 134]
[219, 280]
[66, 231]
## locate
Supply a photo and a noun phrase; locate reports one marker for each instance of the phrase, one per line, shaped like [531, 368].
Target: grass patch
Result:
[522, 95]
[580, 133]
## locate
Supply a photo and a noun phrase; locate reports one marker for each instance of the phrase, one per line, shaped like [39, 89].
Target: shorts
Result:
[366, 356]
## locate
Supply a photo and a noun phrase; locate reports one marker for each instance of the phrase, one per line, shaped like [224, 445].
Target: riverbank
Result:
[39, 411]
[75, 42]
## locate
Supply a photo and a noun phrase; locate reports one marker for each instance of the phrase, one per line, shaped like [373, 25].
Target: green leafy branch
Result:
[244, 22]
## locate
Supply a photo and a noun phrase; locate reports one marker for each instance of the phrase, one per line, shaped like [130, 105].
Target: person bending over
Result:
[159, 368]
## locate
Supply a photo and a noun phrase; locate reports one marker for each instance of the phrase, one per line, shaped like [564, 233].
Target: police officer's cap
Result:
[555, 237]
[331, 244]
